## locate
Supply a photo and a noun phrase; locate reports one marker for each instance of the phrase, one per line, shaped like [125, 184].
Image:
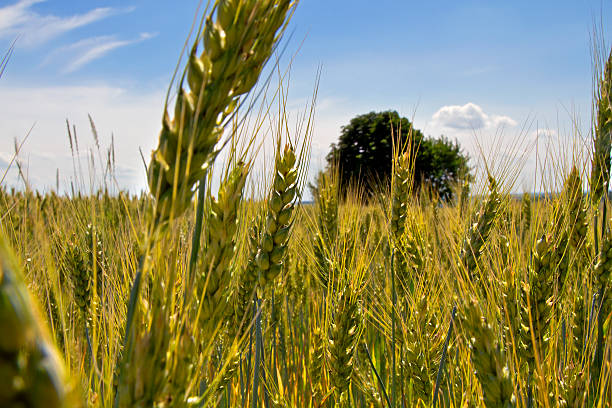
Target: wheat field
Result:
[244, 296]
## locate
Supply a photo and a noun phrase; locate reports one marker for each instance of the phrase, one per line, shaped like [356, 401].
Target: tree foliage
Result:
[364, 153]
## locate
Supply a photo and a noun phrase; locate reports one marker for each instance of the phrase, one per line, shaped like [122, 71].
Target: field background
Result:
[221, 288]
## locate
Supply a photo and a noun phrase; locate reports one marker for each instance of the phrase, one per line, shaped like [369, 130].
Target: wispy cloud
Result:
[85, 51]
[33, 28]
[469, 117]
[132, 116]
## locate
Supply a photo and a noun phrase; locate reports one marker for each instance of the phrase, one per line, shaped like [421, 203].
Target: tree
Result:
[364, 153]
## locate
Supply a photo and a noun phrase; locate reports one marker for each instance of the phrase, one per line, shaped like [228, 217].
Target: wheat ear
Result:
[400, 190]
[603, 273]
[236, 47]
[221, 226]
[327, 211]
[80, 275]
[315, 366]
[327, 205]
[600, 170]
[273, 244]
[576, 210]
[536, 306]
[478, 233]
[488, 358]
[579, 328]
[418, 364]
[343, 340]
[573, 388]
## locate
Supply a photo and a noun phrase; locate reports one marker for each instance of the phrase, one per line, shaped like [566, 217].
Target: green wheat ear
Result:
[417, 362]
[573, 387]
[76, 268]
[576, 209]
[327, 203]
[478, 233]
[343, 341]
[488, 358]
[579, 326]
[537, 298]
[273, 244]
[603, 272]
[400, 186]
[315, 364]
[221, 226]
[268, 242]
[327, 233]
[600, 170]
[236, 47]
[400, 191]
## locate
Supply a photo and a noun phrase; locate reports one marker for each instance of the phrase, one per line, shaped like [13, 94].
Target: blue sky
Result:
[476, 71]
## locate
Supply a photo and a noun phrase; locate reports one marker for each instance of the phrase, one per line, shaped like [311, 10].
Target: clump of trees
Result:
[364, 154]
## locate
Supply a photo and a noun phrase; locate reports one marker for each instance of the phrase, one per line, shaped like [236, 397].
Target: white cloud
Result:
[15, 14]
[502, 121]
[469, 117]
[34, 29]
[133, 119]
[85, 51]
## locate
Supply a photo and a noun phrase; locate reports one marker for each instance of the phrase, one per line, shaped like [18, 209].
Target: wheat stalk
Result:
[525, 213]
[464, 196]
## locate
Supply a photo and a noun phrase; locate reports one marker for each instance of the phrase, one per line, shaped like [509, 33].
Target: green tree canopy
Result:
[365, 149]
